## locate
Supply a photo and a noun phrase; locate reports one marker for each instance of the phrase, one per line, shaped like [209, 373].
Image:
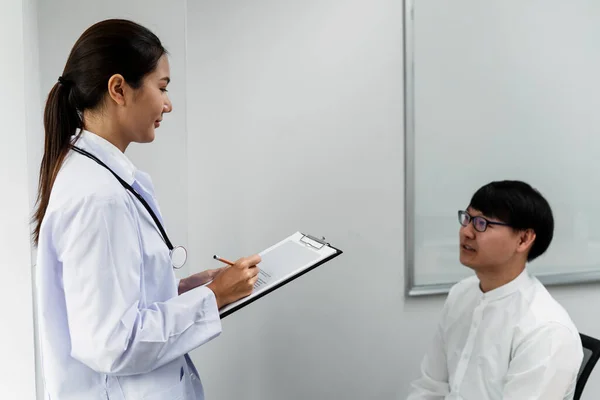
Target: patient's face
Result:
[491, 249]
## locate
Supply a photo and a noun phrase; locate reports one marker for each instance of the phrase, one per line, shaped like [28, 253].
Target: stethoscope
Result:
[178, 253]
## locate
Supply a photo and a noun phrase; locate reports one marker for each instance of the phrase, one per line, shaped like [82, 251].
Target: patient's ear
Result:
[526, 239]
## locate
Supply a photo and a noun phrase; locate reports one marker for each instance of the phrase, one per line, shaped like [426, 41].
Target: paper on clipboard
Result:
[283, 262]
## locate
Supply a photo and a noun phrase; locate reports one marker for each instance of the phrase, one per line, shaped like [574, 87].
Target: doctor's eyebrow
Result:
[166, 78]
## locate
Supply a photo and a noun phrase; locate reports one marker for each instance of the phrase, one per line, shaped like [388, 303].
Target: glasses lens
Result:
[463, 218]
[479, 223]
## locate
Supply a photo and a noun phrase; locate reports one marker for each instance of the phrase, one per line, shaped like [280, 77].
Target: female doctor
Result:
[114, 321]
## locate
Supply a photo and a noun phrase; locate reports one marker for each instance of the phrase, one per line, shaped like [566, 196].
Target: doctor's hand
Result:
[236, 281]
[199, 279]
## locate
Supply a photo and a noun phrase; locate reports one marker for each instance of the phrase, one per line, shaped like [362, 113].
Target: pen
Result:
[216, 257]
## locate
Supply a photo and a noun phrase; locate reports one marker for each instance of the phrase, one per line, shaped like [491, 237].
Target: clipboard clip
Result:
[314, 242]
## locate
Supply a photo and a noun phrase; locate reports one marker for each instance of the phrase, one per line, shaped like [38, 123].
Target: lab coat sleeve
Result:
[544, 365]
[433, 383]
[110, 331]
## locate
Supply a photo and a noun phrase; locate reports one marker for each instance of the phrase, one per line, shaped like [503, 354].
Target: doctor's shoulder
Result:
[80, 186]
[80, 177]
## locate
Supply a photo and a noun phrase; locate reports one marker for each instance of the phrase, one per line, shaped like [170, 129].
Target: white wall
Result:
[17, 40]
[294, 120]
[298, 112]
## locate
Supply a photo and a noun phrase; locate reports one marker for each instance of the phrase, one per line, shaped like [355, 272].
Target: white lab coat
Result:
[112, 325]
[512, 343]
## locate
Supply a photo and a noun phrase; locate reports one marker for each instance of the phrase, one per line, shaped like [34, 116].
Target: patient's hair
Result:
[519, 205]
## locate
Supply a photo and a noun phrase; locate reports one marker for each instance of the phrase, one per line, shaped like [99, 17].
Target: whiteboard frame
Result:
[412, 289]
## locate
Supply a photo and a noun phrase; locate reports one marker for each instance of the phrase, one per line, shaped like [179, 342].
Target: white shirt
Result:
[111, 322]
[512, 343]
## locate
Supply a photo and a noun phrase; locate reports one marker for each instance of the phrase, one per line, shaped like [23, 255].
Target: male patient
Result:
[501, 334]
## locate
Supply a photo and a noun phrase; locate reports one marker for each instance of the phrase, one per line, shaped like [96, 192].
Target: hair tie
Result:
[65, 82]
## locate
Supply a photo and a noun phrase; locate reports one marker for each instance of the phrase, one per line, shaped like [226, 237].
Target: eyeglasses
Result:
[479, 223]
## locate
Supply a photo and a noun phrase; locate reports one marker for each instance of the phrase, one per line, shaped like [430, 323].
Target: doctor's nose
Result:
[168, 107]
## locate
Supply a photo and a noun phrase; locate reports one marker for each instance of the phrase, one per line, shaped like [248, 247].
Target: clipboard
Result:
[284, 262]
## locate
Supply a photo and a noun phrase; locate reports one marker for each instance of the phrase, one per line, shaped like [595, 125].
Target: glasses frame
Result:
[473, 219]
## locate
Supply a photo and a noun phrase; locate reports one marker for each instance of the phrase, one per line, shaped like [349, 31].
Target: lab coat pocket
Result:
[175, 392]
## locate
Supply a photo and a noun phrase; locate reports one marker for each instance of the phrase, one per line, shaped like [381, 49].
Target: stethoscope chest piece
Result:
[178, 256]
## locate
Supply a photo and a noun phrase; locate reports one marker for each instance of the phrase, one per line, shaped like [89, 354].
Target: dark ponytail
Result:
[61, 121]
[107, 48]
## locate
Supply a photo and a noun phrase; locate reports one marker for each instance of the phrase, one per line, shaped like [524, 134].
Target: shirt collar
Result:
[520, 282]
[109, 154]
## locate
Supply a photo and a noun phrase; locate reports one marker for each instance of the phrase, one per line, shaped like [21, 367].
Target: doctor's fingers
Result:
[253, 280]
[251, 272]
[248, 262]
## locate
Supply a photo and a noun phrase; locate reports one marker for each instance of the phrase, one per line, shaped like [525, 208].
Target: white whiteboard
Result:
[502, 89]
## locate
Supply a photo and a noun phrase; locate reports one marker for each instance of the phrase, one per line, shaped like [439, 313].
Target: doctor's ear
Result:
[117, 88]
